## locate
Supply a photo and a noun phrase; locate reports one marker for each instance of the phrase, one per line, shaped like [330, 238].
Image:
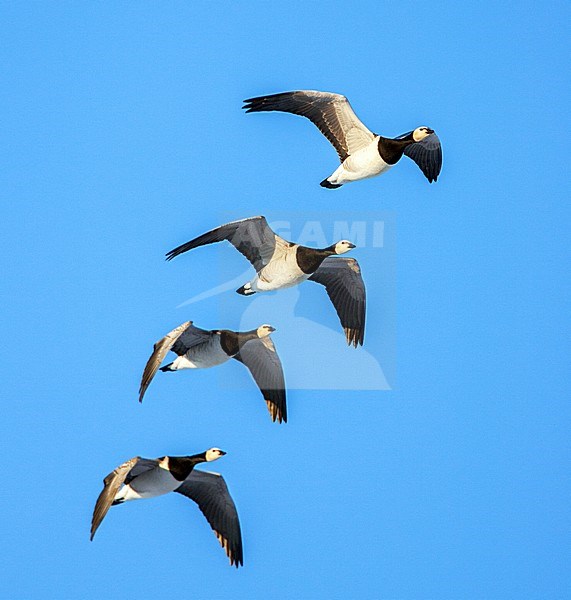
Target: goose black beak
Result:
[272, 329]
[351, 245]
[430, 130]
[222, 453]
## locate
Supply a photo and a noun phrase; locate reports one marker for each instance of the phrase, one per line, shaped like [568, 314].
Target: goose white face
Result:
[421, 132]
[265, 330]
[343, 246]
[214, 454]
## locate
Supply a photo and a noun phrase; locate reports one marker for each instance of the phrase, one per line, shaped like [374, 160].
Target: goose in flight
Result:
[280, 264]
[363, 154]
[200, 349]
[149, 477]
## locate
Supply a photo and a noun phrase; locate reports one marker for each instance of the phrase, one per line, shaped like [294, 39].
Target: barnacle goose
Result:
[146, 478]
[200, 349]
[280, 264]
[362, 153]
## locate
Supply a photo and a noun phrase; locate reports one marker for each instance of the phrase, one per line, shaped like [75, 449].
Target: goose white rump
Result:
[364, 164]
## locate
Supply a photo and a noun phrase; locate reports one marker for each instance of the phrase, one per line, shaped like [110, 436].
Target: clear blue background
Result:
[122, 136]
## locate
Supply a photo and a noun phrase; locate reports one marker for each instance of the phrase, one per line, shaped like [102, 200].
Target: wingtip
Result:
[93, 531]
[279, 416]
[174, 252]
[355, 337]
[248, 105]
[276, 417]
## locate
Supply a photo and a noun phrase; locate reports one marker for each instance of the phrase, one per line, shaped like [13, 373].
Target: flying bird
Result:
[363, 154]
[281, 264]
[149, 477]
[201, 349]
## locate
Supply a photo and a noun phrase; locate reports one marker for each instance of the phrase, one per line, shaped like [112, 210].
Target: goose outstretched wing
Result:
[427, 154]
[252, 237]
[111, 484]
[346, 290]
[180, 339]
[331, 113]
[263, 362]
[210, 492]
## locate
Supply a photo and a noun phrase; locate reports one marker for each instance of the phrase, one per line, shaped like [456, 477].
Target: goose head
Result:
[421, 132]
[343, 246]
[265, 330]
[213, 454]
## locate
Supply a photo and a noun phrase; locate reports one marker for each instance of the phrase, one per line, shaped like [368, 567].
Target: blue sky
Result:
[122, 137]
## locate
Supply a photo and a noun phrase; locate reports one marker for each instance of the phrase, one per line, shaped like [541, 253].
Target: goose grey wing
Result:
[190, 337]
[142, 466]
[160, 350]
[252, 237]
[210, 492]
[427, 154]
[331, 113]
[111, 485]
[346, 290]
[263, 362]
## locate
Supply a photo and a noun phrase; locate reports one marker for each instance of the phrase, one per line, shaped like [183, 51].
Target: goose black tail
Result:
[166, 368]
[330, 186]
[244, 291]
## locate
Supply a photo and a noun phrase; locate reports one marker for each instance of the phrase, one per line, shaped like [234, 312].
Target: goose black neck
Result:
[232, 341]
[391, 151]
[310, 259]
[181, 466]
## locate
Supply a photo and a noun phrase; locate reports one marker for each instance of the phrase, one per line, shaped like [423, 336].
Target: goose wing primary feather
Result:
[427, 154]
[331, 113]
[263, 362]
[122, 474]
[345, 287]
[252, 237]
[210, 492]
[160, 350]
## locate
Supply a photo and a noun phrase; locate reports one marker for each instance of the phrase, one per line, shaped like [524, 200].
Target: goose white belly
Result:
[280, 273]
[148, 485]
[202, 356]
[365, 163]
